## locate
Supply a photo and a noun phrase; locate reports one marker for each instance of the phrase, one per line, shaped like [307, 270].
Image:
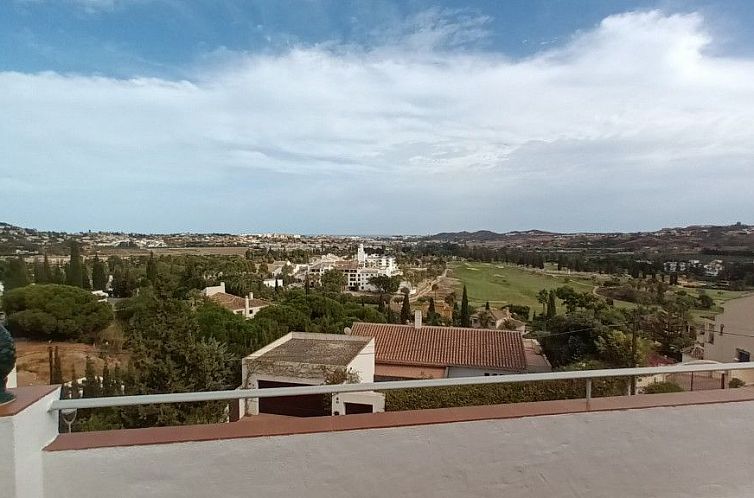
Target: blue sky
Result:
[375, 117]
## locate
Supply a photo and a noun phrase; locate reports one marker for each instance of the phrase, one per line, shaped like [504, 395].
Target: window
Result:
[711, 338]
[743, 356]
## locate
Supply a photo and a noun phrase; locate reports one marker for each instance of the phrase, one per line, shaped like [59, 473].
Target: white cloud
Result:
[631, 124]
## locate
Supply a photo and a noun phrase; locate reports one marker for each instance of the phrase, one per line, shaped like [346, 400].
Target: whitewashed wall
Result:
[693, 451]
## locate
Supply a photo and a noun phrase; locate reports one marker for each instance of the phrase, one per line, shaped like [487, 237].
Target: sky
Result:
[389, 117]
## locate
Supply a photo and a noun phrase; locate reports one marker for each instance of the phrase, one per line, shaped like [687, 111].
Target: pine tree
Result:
[99, 275]
[74, 273]
[405, 309]
[465, 313]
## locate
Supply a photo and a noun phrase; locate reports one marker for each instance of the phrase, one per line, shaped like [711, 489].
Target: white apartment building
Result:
[358, 271]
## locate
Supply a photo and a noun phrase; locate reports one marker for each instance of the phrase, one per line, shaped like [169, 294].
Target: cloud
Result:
[632, 124]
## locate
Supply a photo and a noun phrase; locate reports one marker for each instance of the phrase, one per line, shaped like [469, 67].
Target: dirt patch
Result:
[32, 361]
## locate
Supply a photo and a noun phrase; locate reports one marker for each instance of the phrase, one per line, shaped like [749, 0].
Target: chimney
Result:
[246, 308]
[251, 295]
[418, 319]
[222, 287]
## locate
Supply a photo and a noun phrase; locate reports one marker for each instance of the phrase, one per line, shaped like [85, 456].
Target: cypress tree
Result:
[99, 275]
[17, 274]
[92, 388]
[86, 282]
[39, 277]
[74, 273]
[381, 306]
[465, 314]
[551, 309]
[405, 309]
[57, 367]
[75, 388]
[107, 382]
[46, 270]
[52, 365]
[487, 306]
[151, 269]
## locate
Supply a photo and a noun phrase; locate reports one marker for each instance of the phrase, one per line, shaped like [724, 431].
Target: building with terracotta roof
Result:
[417, 351]
[246, 306]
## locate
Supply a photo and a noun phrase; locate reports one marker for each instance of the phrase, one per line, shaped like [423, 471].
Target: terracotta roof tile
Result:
[445, 346]
[234, 303]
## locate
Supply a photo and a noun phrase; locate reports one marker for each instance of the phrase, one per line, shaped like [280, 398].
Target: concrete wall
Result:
[692, 451]
[22, 437]
[475, 372]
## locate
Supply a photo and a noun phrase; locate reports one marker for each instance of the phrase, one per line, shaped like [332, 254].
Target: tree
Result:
[16, 275]
[47, 274]
[615, 349]
[151, 269]
[75, 391]
[487, 306]
[169, 355]
[86, 282]
[124, 282]
[551, 307]
[53, 311]
[333, 281]
[542, 298]
[405, 309]
[385, 284]
[465, 313]
[431, 313]
[99, 275]
[92, 387]
[74, 275]
[57, 368]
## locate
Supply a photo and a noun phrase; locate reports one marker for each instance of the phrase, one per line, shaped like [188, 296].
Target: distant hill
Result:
[735, 239]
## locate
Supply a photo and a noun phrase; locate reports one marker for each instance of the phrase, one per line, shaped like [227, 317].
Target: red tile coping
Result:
[281, 426]
[25, 397]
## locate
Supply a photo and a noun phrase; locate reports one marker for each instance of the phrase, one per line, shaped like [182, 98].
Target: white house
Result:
[246, 306]
[731, 337]
[308, 359]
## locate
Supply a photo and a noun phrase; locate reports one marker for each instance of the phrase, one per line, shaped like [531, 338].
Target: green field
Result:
[501, 284]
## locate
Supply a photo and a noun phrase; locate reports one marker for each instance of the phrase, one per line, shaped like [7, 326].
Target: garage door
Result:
[310, 405]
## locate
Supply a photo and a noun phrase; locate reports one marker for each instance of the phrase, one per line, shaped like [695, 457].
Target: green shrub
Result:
[735, 383]
[663, 387]
[495, 394]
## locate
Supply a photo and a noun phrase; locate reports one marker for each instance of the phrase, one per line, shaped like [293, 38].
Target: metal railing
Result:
[588, 375]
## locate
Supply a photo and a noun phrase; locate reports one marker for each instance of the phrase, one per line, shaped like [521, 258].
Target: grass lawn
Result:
[501, 285]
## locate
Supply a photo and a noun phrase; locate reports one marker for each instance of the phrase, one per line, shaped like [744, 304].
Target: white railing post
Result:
[588, 390]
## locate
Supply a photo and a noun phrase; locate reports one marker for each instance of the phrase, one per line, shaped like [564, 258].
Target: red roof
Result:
[445, 346]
